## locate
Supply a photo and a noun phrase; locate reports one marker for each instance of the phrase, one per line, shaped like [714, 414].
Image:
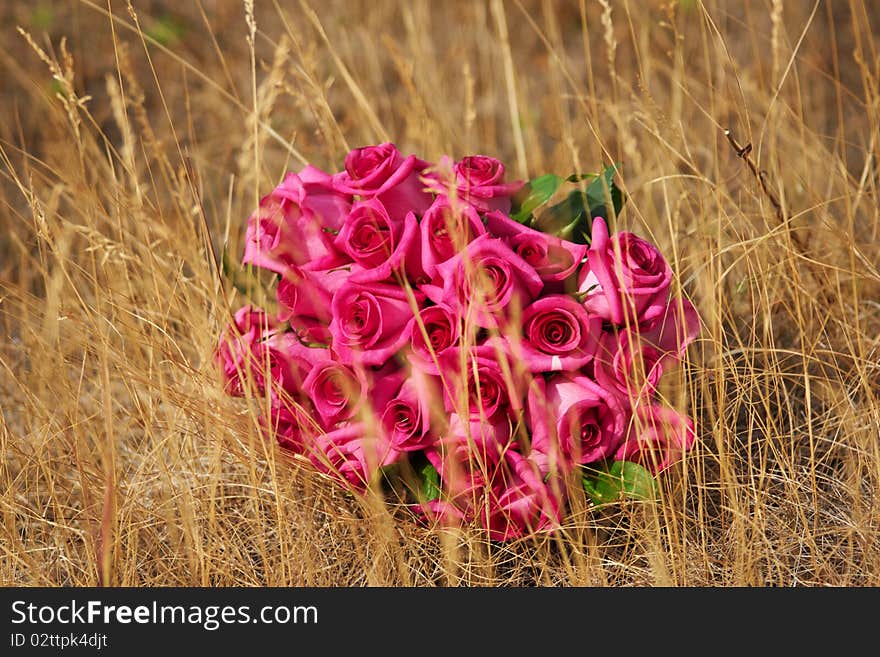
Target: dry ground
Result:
[130, 143]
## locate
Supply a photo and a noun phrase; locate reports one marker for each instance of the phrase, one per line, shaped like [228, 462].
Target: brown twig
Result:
[744, 152]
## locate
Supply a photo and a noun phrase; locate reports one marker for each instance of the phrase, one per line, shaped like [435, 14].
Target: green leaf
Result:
[621, 480]
[566, 220]
[538, 191]
[602, 190]
[572, 218]
[42, 16]
[534, 194]
[430, 481]
[167, 30]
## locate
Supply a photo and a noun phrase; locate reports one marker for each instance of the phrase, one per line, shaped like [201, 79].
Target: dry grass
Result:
[121, 178]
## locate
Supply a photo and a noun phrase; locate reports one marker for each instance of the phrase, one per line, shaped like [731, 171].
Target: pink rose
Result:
[628, 366]
[384, 384]
[524, 504]
[406, 419]
[488, 436]
[378, 244]
[235, 348]
[337, 391]
[573, 421]
[467, 457]
[558, 334]
[311, 331]
[659, 436]
[433, 332]
[290, 226]
[493, 388]
[301, 293]
[554, 259]
[312, 190]
[479, 180]
[446, 231]
[631, 362]
[484, 281]
[293, 426]
[632, 288]
[352, 455]
[295, 361]
[304, 299]
[441, 512]
[381, 172]
[254, 346]
[371, 322]
[368, 235]
[674, 329]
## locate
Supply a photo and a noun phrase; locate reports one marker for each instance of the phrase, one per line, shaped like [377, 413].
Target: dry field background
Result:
[135, 140]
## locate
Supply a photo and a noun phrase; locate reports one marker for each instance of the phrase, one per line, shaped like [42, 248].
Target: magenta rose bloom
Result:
[492, 389]
[631, 362]
[313, 191]
[525, 502]
[254, 349]
[446, 231]
[441, 512]
[290, 227]
[441, 331]
[479, 180]
[467, 456]
[673, 330]
[554, 259]
[573, 421]
[337, 391]
[304, 299]
[628, 366]
[558, 334]
[406, 419]
[352, 454]
[371, 321]
[379, 244]
[293, 426]
[295, 361]
[659, 436]
[489, 435]
[381, 172]
[632, 288]
[368, 235]
[302, 293]
[484, 281]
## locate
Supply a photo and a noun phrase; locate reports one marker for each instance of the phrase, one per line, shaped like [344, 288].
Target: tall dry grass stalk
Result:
[135, 138]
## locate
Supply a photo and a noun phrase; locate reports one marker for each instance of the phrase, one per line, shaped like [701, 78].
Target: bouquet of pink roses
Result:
[437, 337]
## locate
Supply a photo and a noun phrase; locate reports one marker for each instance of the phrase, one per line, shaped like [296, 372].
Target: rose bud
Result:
[485, 280]
[632, 288]
[381, 172]
[558, 334]
[434, 331]
[446, 231]
[573, 421]
[659, 436]
[337, 391]
[371, 321]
